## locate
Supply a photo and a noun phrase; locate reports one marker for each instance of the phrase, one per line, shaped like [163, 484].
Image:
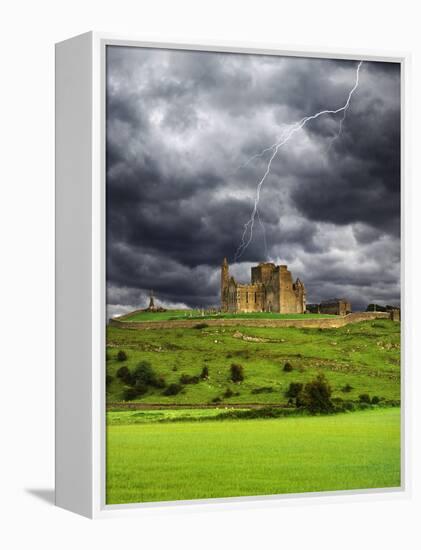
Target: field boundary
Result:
[136, 405]
[325, 322]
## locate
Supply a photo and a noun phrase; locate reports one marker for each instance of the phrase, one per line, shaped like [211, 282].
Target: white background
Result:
[29, 30]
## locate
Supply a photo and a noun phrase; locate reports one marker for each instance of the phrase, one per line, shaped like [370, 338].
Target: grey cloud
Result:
[180, 127]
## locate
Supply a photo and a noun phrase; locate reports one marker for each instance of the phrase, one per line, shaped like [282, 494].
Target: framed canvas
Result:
[230, 284]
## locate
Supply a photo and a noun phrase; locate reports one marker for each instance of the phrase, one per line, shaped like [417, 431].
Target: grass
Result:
[118, 418]
[191, 460]
[364, 355]
[174, 314]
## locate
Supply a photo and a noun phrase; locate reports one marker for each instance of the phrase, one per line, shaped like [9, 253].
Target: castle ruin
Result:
[271, 289]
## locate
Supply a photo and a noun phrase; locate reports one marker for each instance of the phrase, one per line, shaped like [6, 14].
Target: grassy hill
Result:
[364, 356]
[177, 314]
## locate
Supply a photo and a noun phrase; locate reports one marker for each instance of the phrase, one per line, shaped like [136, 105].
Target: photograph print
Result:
[253, 274]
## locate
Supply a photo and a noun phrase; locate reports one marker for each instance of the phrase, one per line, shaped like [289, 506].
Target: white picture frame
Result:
[80, 276]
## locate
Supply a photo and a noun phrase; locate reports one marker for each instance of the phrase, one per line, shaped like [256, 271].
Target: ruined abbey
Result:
[271, 289]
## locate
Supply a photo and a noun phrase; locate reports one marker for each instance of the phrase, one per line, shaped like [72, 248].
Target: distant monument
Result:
[152, 307]
[271, 289]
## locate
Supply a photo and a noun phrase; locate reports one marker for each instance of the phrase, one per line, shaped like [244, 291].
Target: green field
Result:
[189, 445]
[190, 460]
[365, 356]
[182, 314]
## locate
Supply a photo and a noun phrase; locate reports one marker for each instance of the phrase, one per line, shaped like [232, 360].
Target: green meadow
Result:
[200, 443]
[363, 356]
[191, 460]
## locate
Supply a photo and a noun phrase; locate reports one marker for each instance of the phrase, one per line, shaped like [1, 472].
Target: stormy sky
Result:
[182, 127]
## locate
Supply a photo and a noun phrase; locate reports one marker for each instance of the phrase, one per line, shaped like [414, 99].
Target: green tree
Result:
[295, 388]
[125, 375]
[145, 375]
[316, 396]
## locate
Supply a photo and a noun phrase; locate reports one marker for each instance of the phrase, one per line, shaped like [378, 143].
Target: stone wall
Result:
[288, 299]
[250, 298]
[327, 322]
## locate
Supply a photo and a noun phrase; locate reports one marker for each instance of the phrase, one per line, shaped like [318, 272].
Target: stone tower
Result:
[225, 275]
[271, 289]
[301, 293]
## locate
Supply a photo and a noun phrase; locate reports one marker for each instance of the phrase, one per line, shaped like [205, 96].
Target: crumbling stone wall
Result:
[313, 322]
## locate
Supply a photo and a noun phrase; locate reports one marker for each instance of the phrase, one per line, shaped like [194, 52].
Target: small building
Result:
[336, 306]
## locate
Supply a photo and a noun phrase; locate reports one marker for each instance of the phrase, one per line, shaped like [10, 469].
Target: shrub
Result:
[125, 375]
[187, 379]
[288, 367]
[121, 356]
[228, 393]
[204, 375]
[315, 396]
[140, 388]
[347, 388]
[265, 412]
[130, 393]
[376, 400]
[108, 379]
[175, 368]
[145, 374]
[242, 353]
[364, 398]
[216, 400]
[237, 372]
[393, 403]
[295, 388]
[264, 389]
[160, 382]
[173, 389]
[200, 326]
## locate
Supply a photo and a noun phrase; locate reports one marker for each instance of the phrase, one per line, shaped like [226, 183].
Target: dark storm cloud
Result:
[181, 128]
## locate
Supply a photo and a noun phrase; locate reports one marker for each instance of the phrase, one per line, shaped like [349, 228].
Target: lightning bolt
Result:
[339, 133]
[247, 235]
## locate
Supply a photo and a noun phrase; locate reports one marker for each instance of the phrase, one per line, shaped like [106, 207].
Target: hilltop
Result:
[362, 358]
